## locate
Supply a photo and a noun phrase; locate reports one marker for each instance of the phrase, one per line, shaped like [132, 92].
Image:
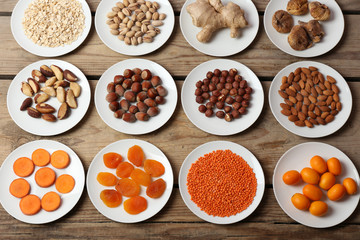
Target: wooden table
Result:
[177, 138]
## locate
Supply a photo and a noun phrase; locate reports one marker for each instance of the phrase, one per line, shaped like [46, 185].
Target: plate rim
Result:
[232, 145]
[63, 147]
[86, 31]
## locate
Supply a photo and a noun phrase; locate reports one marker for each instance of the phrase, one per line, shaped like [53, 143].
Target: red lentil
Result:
[221, 183]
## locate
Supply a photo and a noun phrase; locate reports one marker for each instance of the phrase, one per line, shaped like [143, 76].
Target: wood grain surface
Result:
[266, 138]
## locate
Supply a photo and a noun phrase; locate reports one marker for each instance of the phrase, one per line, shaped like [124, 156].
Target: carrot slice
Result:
[50, 201]
[23, 167]
[141, 177]
[65, 183]
[111, 159]
[30, 204]
[60, 159]
[45, 177]
[128, 187]
[136, 155]
[135, 205]
[156, 188]
[107, 179]
[111, 198]
[154, 168]
[40, 157]
[124, 170]
[19, 188]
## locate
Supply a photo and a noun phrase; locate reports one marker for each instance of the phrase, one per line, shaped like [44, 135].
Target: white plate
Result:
[118, 214]
[207, 148]
[116, 45]
[299, 157]
[20, 37]
[68, 200]
[38, 126]
[221, 44]
[333, 28]
[319, 130]
[215, 125]
[138, 127]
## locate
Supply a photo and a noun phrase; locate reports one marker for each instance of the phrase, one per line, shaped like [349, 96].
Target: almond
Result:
[33, 112]
[50, 82]
[58, 72]
[46, 71]
[26, 103]
[299, 123]
[45, 108]
[49, 91]
[41, 97]
[26, 89]
[283, 94]
[38, 76]
[308, 124]
[70, 99]
[34, 85]
[328, 92]
[293, 118]
[76, 88]
[330, 79]
[70, 76]
[329, 118]
[320, 121]
[64, 111]
[60, 94]
[48, 117]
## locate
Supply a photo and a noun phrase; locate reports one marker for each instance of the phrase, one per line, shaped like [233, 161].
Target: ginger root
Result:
[212, 15]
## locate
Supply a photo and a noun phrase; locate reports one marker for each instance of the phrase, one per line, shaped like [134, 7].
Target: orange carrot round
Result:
[107, 179]
[60, 159]
[124, 170]
[50, 201]
[112, 159]
[23, 167]
[30, 204]
[136, 155]
[40, 157]
[135, 205]
[141, 177]
[154, 168]
[111, 198]
[19, 188]
[156, 188]
[65, 183]
[128, 187]
[45, 177]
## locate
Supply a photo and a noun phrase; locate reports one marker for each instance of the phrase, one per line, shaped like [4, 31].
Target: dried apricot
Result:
[135, 205]
[107, 179]
[327, 180]
[111, 198]
[111, 159]
[334, 166]
[309, 175]
[318, 208]
[141, 177]
[291, 177]
[350, 186]
[300, 201]
[156, 188]
[336, 192]
[312, 192]
[154, 168]
[128, 187]
[124, 170]
[136, 155]
[318, 164]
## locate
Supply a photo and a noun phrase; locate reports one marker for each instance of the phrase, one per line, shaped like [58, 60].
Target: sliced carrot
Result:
[112, 160]
[107, 179]
[141, 177]
[23, 167]
[124, 170]
[111, 197]
[50, 201]
[19, 188]
[45, 177]
[60, 159]
[65, 183]
[135, 205]
[40, 157]
[128, 187]
[154, 168]
[136, 155]
[30, 204]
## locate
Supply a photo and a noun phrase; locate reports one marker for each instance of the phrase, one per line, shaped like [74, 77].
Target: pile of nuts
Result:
[224, 90]
[309, 98]
[135, 21]
[53, 23]
[54, 83]
[139, 87]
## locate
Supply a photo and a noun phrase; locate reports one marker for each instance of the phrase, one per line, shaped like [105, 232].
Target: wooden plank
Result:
[346, 5]
[179, 58]
[266, 139]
